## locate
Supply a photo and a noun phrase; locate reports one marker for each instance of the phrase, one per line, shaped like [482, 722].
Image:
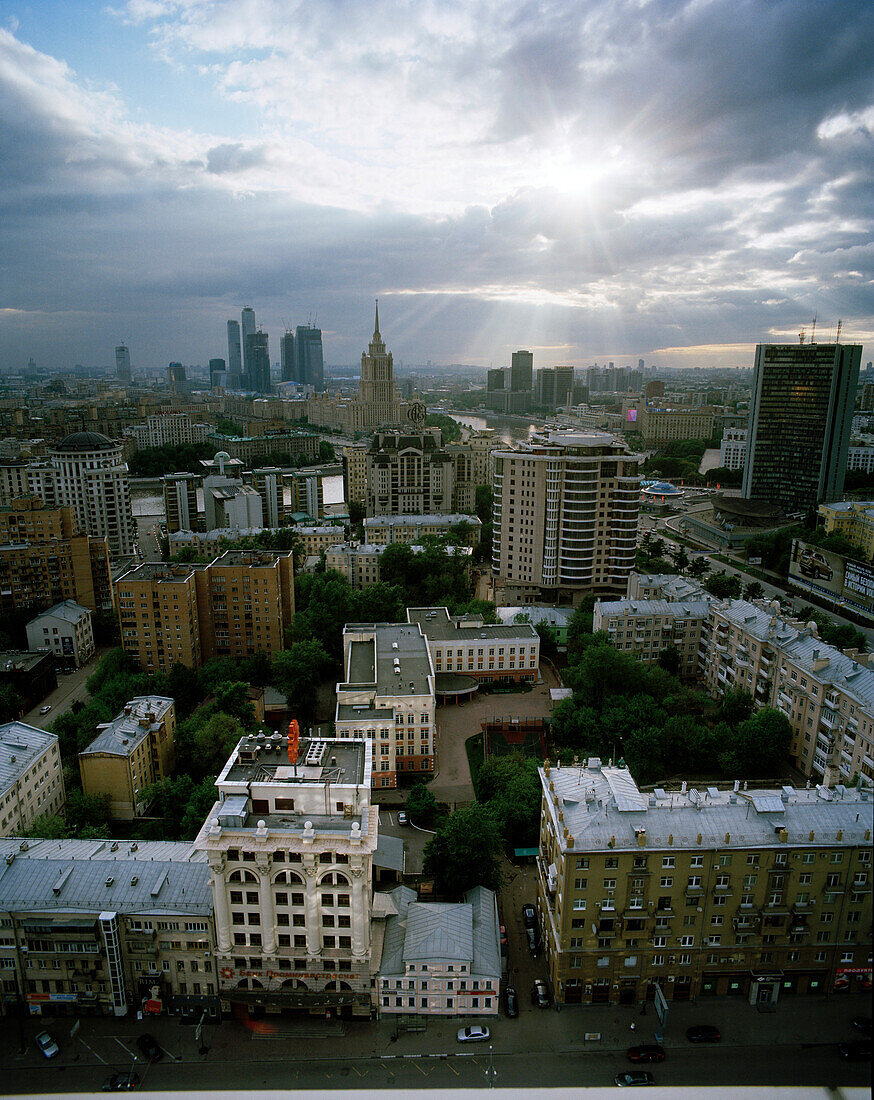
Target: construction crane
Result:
[813, 330]
[838, 336]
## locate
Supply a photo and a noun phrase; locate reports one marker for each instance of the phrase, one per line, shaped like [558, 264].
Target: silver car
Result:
[476, 1033]
[47, 1045]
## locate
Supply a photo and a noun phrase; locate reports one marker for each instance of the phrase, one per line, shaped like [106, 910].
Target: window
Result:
[687, 941]
[697, 861]
[668, 861]
[666, 882]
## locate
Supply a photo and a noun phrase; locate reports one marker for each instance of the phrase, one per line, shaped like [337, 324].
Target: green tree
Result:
[297, 673]
[166, 801]
[85, 811]
[680, 558]
[735, 706]
[48, 827]
[723, 586]
[326, 451]
[198, 805]
[669, 659]
[698, 568]
[760, 746]
[215, 740]
[464, 852]
[753, 591]
[233, 699]
[579, 628]
[421, 804]
[11, 704]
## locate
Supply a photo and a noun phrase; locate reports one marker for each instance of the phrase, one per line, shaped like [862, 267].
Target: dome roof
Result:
[85, 441]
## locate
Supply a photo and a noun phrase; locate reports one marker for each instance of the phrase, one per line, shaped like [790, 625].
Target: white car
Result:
[474, 1034]
[47, 1045]
[45, 709]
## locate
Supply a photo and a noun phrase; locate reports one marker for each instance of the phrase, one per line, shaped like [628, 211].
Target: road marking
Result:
[360, 1074]
[94, 1052]
[452, 1067]
[128, 1049]
[419, 1068]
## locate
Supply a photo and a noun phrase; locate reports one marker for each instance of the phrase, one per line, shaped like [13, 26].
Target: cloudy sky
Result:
[667, 179]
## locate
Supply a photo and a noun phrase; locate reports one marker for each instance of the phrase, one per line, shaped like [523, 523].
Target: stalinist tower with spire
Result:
[378, 399]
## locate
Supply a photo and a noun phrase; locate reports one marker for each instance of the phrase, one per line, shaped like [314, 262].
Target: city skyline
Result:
[579, 180]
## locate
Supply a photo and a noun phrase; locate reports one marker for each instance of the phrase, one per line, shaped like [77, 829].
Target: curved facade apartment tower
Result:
[92, 478]
[565, 517]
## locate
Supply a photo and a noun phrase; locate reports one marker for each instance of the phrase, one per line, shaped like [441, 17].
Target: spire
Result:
[376, 322]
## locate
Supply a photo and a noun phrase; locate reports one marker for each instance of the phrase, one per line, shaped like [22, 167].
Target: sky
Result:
[672, 180]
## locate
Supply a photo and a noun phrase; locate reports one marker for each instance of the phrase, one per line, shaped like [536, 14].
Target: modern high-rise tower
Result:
[247, 329]
[286, 357]
[235, 356]
[521, 370]
[122, 363]
[257, 363]
[218, 373]
[309, 361]
[799, 427]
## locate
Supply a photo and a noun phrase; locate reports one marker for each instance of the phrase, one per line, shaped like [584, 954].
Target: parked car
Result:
[476, 1033]
[503, 940]
[402, 818]
[646, 1053]
[45, 709]
[47, 1045]
[120, 1082]
[540, 994]
[863, 1024]
[149, 1048]
[511, 1002]
[533, 941]
[856, 1050]
[529, 915]
[634, 1077]
[703, 1033]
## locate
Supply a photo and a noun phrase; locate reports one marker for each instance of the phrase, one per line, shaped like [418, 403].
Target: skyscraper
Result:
[235, 356]
[521, 370]
[122, 363]
[309, 362]
[376, 390]
[286, 356]
[257, 362]
[247, 329]
[217, 373]
[799, 426]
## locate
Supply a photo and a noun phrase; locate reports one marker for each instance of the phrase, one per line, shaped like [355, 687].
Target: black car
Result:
[533, 941]
[529, 915]
[858, 1050]
[121, 1082]
[634, 1077]
[511, 1002]
[646, 1053]
[149, 1048]
[703, 1033]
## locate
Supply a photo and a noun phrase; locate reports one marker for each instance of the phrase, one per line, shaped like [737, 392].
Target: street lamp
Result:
[491, 1072]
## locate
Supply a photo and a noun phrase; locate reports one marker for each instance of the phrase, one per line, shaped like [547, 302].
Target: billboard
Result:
[631, 416]
[840, 580]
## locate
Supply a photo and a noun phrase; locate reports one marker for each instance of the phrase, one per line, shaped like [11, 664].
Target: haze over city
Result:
[676, 181]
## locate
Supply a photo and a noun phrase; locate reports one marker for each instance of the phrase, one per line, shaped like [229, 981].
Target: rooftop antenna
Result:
[838, 336]
[813, 330]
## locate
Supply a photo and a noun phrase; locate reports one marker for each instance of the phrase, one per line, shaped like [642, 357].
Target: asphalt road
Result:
[768, 1066]
[71, 687]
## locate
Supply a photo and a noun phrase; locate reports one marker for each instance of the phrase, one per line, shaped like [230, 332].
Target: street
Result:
[71, 688]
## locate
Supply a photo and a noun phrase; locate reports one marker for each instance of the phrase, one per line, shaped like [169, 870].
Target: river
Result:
[511, 429]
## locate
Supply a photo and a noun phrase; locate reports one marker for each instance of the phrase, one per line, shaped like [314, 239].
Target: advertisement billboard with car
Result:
[840, 580]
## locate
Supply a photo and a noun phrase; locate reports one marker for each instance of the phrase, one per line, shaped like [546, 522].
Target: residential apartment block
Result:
[239, 604]
[31, 778]
[169, 429]
[387, 698]
[130, 753]
[66, 631]
[44, 559]
[756, 894]
[662, 425]
[99, 927]
[290, 845]
[355, 471]
[565, 517]
[412, 473]
[827, 694]
[257, 448]
[387, 529]
[648, 627]
[854, 519]
[180, 501]
[359, 561]
[733, 448]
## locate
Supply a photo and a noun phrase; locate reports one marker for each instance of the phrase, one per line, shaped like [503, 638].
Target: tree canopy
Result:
[464, 852]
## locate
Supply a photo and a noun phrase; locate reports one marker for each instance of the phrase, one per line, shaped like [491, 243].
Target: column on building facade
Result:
[268, 916]
[220, 895]
[314, 931]
[359, 914]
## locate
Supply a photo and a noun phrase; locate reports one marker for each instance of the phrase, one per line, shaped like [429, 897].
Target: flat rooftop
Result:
[21, 660]
[440, 519]
[438, 626]
[159, 571]
[20, 745]
[264, 759]
[395, 659]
